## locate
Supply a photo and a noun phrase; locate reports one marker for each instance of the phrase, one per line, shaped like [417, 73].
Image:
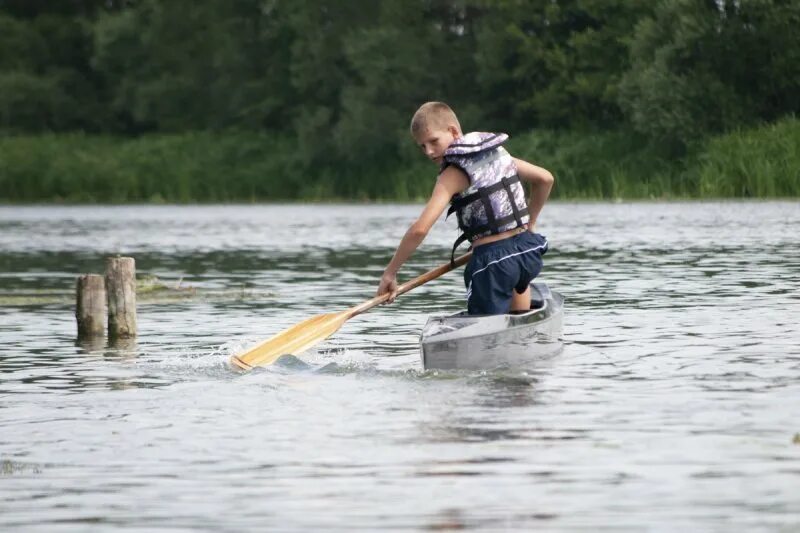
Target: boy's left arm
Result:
[541, 181]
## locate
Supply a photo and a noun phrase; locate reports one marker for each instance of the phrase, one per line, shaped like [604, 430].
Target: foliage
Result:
[629, 92]
[705, 66]
[176, 168]
[244, 166]
[46, 83]
[610, 164]
[21, 46]
[761, 162]
[171, 66]
[555, 64]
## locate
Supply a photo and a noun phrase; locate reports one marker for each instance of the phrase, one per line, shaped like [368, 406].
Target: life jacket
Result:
[494, 202]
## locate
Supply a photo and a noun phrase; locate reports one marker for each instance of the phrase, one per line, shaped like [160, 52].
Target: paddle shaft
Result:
[409, 285]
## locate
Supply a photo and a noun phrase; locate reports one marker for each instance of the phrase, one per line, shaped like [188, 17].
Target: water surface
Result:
[673, 404]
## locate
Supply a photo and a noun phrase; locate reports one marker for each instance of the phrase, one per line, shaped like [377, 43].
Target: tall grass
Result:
[613, 164]
[235, 166]
[175, 168]
[759, 163]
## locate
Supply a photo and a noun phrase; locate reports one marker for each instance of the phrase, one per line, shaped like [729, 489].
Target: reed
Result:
[762, 162]
[187, 167]
[594, 165]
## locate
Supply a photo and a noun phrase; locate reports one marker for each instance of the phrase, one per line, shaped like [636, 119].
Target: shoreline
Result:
[358, 203]
[260, 168]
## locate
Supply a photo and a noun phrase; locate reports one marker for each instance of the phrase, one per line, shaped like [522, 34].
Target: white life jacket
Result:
[494, 202]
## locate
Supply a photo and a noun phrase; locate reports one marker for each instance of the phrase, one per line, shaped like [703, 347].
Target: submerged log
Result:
[90, 308]
[121, 288]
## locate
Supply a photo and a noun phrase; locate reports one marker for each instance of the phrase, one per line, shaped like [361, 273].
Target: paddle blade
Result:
[294, 340]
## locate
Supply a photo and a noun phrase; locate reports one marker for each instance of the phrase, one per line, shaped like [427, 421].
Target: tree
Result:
[180, 65]
[554, 63]
[704, 66]
[46, 82]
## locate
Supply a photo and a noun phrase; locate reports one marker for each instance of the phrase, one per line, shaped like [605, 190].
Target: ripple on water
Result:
[671, 403]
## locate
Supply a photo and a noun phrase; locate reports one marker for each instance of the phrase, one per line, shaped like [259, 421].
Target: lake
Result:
[673, 405]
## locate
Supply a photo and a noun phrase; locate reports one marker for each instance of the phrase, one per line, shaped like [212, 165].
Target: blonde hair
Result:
[433, 115]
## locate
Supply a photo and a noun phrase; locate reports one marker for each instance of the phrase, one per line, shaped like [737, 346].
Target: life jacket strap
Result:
[458, 242]
[514, 207]
[493, 224]
[484, 192]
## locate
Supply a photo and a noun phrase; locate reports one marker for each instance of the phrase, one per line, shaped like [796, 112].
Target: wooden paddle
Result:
[306, 334]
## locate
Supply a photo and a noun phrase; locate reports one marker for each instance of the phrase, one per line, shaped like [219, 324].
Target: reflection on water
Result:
[672, 402]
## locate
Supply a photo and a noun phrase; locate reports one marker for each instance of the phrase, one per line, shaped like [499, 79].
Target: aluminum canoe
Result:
[481, 342]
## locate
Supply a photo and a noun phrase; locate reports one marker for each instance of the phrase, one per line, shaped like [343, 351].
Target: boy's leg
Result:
[521, 302]
[484, 295]
[487, 299]
[530, 267]
[494, 275]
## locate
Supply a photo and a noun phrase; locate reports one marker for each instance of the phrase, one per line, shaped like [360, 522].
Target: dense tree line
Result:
[342, 77]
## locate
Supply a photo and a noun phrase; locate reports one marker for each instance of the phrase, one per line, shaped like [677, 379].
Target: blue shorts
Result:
[499, 267]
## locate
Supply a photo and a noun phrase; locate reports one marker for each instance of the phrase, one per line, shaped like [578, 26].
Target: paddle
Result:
[306, 334]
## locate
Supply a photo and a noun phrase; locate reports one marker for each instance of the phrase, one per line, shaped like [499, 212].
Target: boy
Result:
[481, 182]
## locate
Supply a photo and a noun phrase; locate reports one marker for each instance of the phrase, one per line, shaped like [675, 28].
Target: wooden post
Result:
[121, 287]
[90, 308]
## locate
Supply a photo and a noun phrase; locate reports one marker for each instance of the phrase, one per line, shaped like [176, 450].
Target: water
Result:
[673, 404]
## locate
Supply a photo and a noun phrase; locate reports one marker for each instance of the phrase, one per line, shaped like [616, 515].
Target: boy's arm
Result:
[541, 182]
[450, 182]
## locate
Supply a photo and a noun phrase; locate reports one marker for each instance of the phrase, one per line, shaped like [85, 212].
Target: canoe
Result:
[478, 342]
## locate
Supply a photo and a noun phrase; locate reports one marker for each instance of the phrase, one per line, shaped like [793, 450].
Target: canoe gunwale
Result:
[441, 338]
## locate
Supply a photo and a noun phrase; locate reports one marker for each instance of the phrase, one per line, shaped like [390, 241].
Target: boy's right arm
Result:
[541, 181]
[450, 182]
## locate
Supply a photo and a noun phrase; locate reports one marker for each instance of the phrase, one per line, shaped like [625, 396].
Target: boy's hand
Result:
[388, 284]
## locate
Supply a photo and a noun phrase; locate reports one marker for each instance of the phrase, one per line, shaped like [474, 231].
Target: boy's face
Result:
[434, 141]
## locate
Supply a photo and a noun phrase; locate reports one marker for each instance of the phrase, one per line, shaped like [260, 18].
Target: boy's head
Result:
[434, 126]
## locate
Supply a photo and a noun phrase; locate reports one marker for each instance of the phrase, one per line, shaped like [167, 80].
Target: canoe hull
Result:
[464, 342]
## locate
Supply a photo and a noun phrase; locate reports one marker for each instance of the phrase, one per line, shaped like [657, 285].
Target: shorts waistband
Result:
[500, 242]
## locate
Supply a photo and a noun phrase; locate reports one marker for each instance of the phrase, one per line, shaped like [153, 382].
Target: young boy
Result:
[481, 182]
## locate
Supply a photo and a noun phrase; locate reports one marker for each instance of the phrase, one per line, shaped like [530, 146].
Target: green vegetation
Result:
[176, 168]
[761, 163]
[181, 101]
[207, 167]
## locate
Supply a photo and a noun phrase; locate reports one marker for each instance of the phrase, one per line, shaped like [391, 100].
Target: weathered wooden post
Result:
[121, 288]
[90, 308]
